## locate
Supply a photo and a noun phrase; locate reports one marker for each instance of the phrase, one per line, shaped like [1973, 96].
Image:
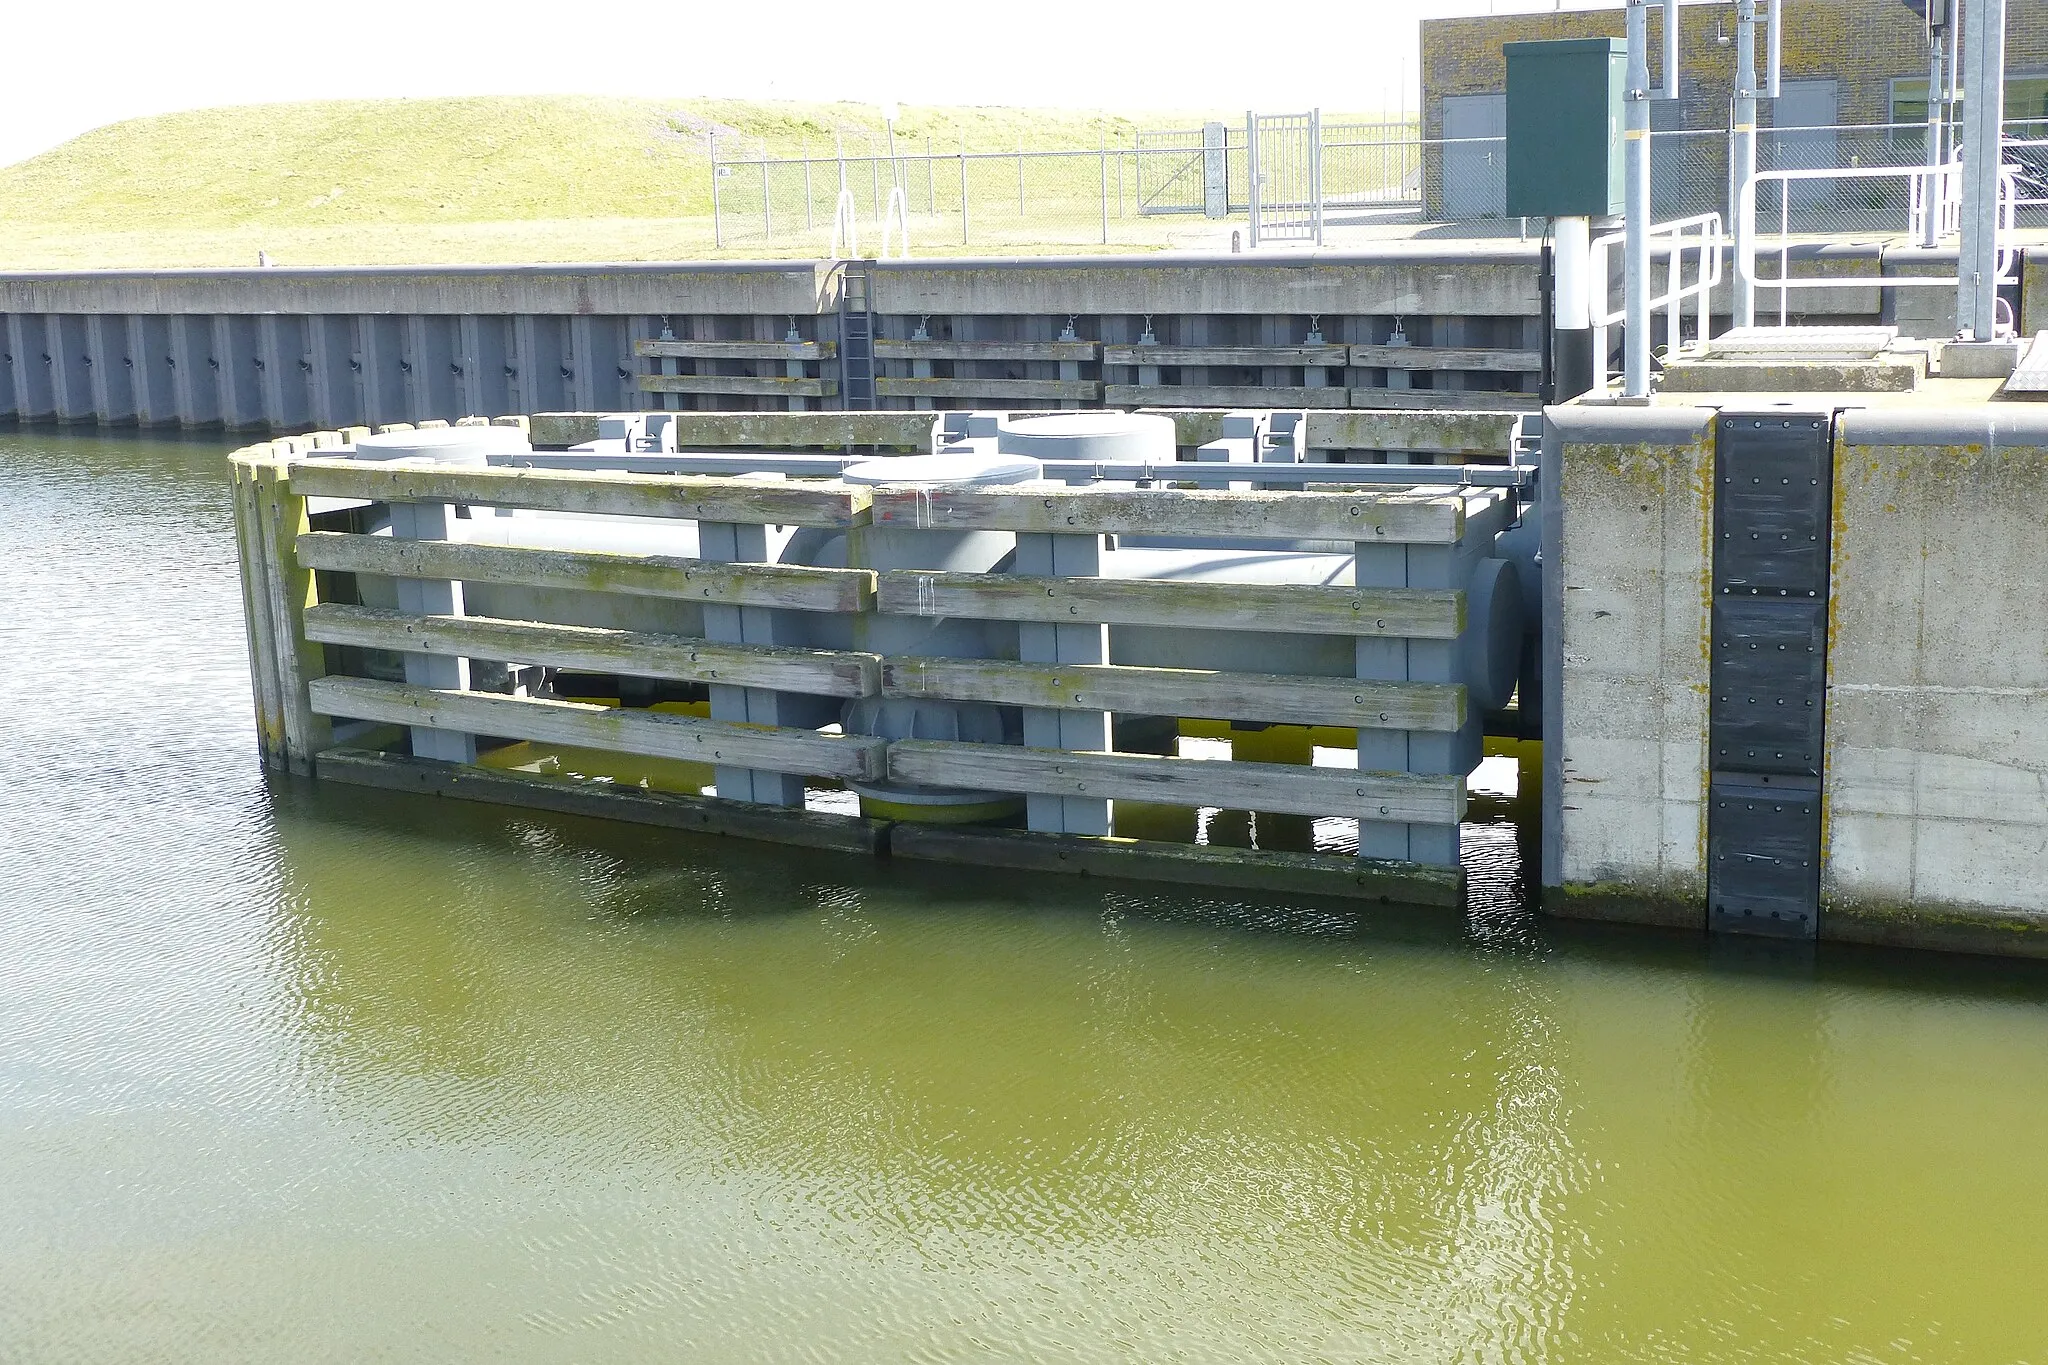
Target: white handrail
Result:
[845, 228]
[896, 221]
[2005, 259]
[1703, 232]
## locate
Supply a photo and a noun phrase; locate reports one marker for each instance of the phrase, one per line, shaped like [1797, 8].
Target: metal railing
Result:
[1147, 192]
[1701, 234]
[1947, 179]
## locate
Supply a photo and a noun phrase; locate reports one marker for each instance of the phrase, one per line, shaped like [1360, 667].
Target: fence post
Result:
[717, 225]
[931, 184]
[1251, 173]
[963, 193]
[767, 225]
[1105, 196]
[1020, 180]
[808, 224]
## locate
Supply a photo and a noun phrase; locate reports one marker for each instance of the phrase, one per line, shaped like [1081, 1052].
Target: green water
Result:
[297, 1075]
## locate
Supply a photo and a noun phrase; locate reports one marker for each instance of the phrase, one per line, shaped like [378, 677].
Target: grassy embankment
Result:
[556, 178]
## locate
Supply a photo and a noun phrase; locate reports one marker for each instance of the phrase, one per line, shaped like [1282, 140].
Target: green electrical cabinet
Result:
[1564, 127]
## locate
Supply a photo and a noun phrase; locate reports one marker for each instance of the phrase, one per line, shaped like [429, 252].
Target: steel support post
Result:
[1983, 111]
[1636, 247]
[1742, 163]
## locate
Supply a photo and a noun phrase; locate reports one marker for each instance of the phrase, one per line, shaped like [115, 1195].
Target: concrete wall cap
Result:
[2000, 424]
[1613, 426]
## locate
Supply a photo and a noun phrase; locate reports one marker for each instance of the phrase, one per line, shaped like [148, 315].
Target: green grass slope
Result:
[343, 162]
[526, 178]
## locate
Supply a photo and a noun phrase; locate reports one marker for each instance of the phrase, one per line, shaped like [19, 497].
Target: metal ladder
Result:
[856, 340]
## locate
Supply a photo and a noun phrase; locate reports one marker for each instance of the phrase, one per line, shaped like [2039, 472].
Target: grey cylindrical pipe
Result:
[1636, 246]
[1742, 163]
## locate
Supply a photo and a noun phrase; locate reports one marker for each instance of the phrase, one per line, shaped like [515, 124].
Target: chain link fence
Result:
[1190, 187]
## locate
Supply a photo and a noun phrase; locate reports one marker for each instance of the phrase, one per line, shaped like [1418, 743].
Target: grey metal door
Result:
[1803, 138]
[1474, 159]
[1286, 175]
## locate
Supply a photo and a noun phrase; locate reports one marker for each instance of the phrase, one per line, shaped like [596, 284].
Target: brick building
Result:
[1861, 63]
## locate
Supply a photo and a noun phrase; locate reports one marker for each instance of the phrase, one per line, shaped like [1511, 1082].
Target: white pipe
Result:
[1574, 283]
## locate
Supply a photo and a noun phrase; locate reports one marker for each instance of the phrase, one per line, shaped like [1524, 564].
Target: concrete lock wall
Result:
[1937, 727]
[284, 349]
[1934, 789]
[1627, 524]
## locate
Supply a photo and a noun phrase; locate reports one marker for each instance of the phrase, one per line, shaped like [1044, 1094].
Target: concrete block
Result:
[1979, 359]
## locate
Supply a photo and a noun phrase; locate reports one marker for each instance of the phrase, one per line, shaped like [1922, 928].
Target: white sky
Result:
[71, 65]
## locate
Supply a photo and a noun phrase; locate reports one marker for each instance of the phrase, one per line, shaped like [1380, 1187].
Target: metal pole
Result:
[1930, 198]
[1670, 17]
[808, 224]
[931, 184]
[1742, 163]
[1020, 180]
[1983, 110]
[1105, 196]
[963, 195]
[1315, 169]
[1636, 243]
[767, 225]
[1776, 64]
[717, 222]
[1251, 172]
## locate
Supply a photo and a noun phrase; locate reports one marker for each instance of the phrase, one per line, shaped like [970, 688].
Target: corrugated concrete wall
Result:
[285, 349]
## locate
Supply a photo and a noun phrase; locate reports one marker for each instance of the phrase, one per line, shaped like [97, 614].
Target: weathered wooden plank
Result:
[781, 503]
[638, 654]
[749, 585]
[1446, 358]
[281, 518]
[1446, 400]
[648, 348]
[255, 579]
[653, 734]
[985, 389]
[1209, 865]
[784, 430]
[604, 801]
[1283, 608]
[773, 385]
[1284, 788]
[984, 350]
[1220, 396]
[1223, 355]
[1366, 514]
[1457, 433]
[1205, 693]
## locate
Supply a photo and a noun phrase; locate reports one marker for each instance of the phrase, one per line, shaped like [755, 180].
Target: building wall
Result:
[1860, 44]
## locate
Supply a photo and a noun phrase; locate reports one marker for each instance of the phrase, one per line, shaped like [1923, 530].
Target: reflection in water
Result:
[291, 1072]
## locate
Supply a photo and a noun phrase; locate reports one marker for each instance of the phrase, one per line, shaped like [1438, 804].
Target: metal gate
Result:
[1171, 166]
[1285, 153]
